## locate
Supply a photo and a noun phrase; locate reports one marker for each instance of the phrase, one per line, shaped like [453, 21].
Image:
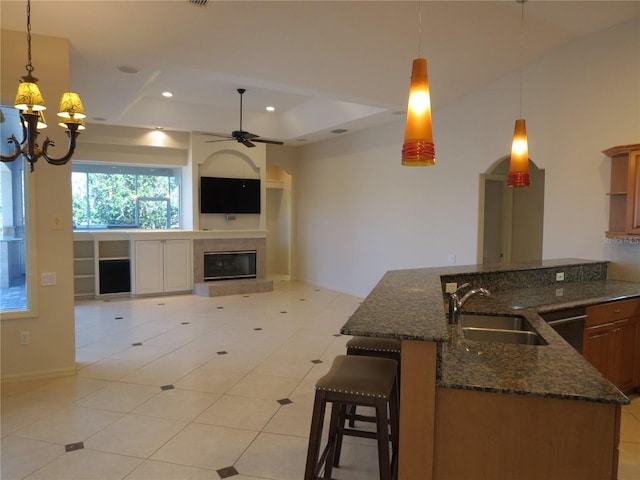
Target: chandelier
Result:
[30, 105]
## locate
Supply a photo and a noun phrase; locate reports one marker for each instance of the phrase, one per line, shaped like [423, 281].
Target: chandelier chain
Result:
[28, 66]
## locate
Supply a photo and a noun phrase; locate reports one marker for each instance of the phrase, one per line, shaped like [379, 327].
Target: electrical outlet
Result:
[560, 277]
[24, 337]
[559, 292]
[48, 279]
[450, 287]
[451, 258]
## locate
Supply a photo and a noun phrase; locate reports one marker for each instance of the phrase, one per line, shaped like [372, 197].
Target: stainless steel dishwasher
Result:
[569, 324]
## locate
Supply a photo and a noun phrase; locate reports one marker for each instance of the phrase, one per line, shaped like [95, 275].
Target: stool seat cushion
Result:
[360, 375]
[375, 344]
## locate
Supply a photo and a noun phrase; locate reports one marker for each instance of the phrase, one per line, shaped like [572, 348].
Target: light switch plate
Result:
[48, 279]
[450, 287]
[56, 222]
[560, 277]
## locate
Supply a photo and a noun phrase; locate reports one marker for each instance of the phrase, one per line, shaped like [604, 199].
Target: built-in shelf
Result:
[84, 268]
[275, 184]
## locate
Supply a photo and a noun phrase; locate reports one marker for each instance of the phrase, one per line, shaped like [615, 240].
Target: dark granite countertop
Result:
[409, 304]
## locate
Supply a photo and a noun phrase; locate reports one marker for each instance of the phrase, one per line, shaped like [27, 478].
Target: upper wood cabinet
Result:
[624, 194]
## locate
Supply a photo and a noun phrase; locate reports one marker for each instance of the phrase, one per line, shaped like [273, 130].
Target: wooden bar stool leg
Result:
[315, 436]
[333, 435]
[382, 425]
[394, 414]
[340, 434]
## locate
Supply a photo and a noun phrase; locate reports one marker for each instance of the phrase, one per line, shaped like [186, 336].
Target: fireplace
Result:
[229, 265]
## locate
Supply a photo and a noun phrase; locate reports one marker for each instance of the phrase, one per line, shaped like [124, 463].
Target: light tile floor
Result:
[187, 387]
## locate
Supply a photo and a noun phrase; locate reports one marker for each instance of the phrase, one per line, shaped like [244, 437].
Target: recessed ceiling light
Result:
[159, 128]
[271, 109]
[167, 94]
[339, 130]
[99, 119]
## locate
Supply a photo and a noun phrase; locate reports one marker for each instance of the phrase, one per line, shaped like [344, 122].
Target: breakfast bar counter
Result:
[442, 370]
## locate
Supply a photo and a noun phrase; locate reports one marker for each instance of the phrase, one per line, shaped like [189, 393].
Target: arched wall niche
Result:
[230, 163]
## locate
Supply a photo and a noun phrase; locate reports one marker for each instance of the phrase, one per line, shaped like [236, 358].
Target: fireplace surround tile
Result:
[230, 287]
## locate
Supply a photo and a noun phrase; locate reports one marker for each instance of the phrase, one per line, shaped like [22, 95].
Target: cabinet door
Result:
[598, 347]
[626, 353]
[149, 267]
[177, 265]
[633, 193]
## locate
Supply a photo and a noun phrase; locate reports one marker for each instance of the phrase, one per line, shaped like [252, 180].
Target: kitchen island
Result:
[495, 410]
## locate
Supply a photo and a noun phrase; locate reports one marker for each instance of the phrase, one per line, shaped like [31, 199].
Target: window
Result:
[13, 214]
[121, 196]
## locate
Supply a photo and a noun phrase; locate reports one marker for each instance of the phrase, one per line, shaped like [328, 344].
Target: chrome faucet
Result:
[456, 302]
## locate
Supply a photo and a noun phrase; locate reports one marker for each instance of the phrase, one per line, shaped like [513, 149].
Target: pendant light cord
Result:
[419, 29]
[522, 2]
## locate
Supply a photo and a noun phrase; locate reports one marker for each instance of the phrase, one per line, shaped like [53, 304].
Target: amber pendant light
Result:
[418, 148]
[519, 163]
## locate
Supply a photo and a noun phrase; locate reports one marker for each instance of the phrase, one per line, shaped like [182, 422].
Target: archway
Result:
[510, 226]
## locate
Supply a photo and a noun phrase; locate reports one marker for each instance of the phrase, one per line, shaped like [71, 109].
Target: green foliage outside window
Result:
[125, 197]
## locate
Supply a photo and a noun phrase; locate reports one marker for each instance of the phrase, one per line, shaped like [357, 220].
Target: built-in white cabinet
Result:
[162, 266]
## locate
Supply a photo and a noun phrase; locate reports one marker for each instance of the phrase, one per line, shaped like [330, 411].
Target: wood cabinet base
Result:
[480, 435]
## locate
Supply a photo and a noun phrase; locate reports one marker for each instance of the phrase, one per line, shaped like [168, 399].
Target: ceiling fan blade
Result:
[246, 142]
[220, 140]
[272, 142]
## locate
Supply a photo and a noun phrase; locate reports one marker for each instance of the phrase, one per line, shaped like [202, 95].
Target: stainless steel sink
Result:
[522, 337]
[500, 322]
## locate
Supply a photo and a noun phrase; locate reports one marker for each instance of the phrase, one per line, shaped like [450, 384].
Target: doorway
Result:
[510, 225]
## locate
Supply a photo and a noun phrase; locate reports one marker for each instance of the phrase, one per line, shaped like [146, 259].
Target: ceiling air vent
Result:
[200, 3]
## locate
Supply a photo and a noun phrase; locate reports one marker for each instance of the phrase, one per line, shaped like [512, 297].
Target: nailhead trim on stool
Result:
[354, 380]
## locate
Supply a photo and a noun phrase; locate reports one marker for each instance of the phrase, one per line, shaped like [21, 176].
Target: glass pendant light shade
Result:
[41, 124]
[418, 148]
[29, 99]
[519, 164]
[64, 123]
[71, 106]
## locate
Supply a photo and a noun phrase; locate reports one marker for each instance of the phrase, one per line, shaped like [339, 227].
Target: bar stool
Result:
[372, 347]
[354, 380]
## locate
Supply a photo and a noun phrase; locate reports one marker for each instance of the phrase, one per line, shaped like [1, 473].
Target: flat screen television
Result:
[229, 195]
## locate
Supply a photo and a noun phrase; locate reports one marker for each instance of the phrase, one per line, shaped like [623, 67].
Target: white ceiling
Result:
[322, 64]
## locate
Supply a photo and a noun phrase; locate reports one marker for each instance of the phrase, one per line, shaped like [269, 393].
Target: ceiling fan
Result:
[246, 138]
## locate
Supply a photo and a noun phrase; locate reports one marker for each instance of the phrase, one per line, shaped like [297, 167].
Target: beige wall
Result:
[51, 350]
[360, 213]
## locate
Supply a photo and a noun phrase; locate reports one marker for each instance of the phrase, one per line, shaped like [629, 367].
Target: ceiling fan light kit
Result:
[246, 138]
